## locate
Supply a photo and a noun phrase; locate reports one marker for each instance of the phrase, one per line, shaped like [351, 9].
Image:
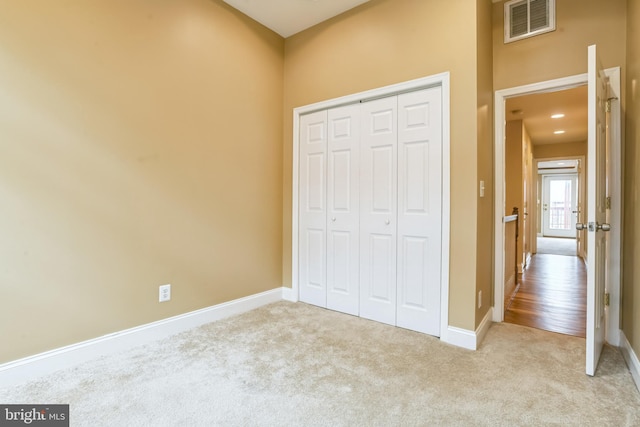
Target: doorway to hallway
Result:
[607, 323]
[552, 295]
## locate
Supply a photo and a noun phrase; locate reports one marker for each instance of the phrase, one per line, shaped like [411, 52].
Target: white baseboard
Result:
[44, 363]
[484, 327]
[288, 295]
[469, 339]
[460, 338]
[509, 288]
[613, 336]
[631, 358]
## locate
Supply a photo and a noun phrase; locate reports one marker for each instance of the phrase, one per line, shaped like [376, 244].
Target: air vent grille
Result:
[526, 18]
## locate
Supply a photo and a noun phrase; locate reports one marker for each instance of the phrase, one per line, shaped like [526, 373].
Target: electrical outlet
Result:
[164, 293]
[479, 299]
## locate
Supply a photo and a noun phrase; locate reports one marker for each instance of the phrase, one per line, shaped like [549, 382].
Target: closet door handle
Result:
[387, 222]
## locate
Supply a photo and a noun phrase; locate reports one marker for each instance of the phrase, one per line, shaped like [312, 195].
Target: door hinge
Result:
[606, 299]
[608, 202]
[607, 107]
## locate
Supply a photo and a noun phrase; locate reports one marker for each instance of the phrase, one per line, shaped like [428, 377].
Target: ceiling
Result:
[288, 17]
[536, 111]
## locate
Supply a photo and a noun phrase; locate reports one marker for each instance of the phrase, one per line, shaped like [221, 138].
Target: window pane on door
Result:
[560, 204]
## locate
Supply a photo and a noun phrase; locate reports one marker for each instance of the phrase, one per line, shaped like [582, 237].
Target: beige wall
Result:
[384, 42]
[140, 146]
[517, 176]
[484, 246]
[128, 160]
[528, 198]
[513, 165]
[631, 239]
[563, 52]
[569, 149]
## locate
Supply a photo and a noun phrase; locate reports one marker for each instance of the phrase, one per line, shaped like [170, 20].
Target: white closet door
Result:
[378, 205]
[419, 210]
[342, 204]
[313, 210]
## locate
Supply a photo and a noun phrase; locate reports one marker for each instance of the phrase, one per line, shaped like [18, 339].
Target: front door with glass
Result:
[560, 205]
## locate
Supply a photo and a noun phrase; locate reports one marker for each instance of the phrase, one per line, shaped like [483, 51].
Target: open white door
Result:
[596, 211]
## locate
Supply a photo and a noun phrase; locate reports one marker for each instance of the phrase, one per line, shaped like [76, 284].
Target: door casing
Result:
[614, 271]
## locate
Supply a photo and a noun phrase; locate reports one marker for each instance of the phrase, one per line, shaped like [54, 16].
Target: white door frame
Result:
[613, 314]
[412, 85]
[582, 195]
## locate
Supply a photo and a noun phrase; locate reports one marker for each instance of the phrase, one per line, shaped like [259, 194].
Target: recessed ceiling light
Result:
[557, 116]
[559, 132]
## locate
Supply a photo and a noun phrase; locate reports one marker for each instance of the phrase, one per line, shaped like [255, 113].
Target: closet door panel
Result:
[343, 209]
[378, 210]
[419, 210]
[312, 216]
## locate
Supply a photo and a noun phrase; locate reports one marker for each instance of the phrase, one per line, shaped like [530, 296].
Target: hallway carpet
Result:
[291, 364]
[556, 246]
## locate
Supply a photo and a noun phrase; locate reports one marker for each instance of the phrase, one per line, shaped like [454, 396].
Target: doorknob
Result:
[387, 222]
[580, 226]
[603, 227]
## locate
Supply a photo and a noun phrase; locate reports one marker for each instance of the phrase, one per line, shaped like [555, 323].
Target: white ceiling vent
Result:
[527, 18]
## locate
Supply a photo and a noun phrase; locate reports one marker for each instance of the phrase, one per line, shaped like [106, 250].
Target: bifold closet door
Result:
[328, 216]
[370, 209]
[378, 210]
[312, 215]
[419, 210]
[343, 177]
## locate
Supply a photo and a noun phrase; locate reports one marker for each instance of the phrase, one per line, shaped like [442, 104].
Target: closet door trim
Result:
[442, 80]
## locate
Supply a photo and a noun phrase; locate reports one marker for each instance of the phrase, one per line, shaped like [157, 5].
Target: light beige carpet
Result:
[556, 246]
[296, 365]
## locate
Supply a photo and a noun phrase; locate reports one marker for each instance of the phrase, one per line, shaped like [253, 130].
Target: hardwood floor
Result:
[552, 295]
